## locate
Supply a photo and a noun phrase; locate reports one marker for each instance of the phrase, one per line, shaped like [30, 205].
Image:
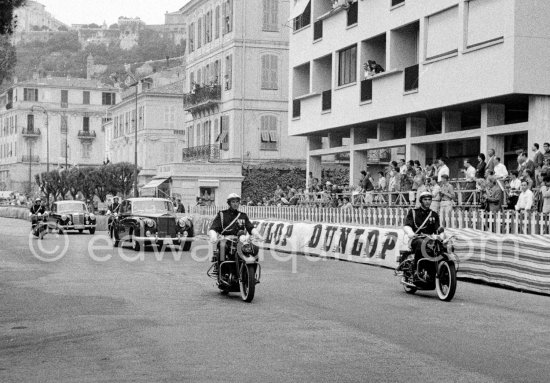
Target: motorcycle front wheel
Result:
[247, 282]
[445, 282]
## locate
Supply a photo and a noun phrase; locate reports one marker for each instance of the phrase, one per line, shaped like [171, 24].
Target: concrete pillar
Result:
[358, 161]
[385, 131]
[313, 164]
[539, 120]
[491, 115]
[452, 121]
[415, 152]
[415, 127]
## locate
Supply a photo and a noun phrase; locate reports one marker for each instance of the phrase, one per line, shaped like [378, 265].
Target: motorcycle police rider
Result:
[36, 209]
[421, 220]
[230, 222]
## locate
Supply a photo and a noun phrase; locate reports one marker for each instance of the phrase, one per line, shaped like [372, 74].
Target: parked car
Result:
[148, 222]
[72, 215]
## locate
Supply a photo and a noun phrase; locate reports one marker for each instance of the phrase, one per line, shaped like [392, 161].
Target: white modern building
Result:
[461, 77]
[49, 123]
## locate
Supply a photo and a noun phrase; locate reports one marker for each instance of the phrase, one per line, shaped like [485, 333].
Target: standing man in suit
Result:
[491, 162]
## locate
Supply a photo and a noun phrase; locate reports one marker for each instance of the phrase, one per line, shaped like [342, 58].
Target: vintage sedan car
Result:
[148, 222]
[72, 215]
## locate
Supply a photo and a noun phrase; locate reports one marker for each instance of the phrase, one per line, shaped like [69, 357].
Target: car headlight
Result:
[149, 222]
[92, 216]
[182, 222]
[63, 217]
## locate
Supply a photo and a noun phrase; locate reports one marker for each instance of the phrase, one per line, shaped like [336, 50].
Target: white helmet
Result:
[424, 195]
[233, 196]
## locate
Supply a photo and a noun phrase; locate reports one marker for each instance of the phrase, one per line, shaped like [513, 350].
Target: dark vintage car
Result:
[72, 215]
[149, 221]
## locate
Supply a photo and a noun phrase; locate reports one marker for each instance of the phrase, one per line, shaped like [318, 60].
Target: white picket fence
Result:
[506, 222]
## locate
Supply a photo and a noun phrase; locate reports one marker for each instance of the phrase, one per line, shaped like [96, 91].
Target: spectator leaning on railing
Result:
[515, 189]
[545, 194]
[525, 200]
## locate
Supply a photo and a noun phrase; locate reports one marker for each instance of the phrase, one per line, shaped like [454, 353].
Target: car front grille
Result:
[166, 226]
[78, 219]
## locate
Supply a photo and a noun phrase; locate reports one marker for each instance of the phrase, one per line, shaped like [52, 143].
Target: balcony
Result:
[411, 78]
[87, 134]
[30, 159]
[30, 133]
[205, 152]
[366, 90]
[203, 98]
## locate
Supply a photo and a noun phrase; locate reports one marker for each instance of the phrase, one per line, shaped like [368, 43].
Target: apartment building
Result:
[51, 122]
[460, 77]
[160, 126]
[235, 93]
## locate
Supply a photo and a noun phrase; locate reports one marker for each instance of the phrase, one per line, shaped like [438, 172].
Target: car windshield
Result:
[152, 207]
[71, 206]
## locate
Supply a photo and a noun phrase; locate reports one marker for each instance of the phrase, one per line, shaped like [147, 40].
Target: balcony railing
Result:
[205, 152]
[87, 134]
[296, 106]
[411, 78]
[318, 30]
[202, 98]
[33, 159]
[35, 132]
[326, 100]
[366, 90]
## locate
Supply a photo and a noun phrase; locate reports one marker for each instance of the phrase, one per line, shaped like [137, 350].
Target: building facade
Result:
[33, 16]
[460, 77]
[55, 121]
[160, 126]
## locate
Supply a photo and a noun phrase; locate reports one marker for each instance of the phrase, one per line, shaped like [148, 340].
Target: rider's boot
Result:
[215, 256]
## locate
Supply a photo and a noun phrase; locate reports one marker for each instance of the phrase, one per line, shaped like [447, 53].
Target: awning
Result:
[298, 9]
[154, 183]
[222, 136]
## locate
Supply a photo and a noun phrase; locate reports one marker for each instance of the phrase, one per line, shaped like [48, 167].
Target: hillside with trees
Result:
[62, 55]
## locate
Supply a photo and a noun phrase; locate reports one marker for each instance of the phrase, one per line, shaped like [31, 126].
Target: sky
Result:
[97, 11]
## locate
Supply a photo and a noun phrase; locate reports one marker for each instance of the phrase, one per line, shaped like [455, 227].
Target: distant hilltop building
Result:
[33, 17]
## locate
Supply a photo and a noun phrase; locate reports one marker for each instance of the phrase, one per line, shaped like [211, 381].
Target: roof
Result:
[173, 88]
[65, 82]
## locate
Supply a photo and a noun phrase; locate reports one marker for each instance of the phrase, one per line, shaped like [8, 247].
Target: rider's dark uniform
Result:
[415, 220]
[35, 209]
[230, 222]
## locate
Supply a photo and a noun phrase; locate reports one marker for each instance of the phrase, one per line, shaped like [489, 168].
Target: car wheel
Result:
[135, 244]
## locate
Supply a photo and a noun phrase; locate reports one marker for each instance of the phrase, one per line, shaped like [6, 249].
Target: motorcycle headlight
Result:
[63, 217]
[149, 222]
[242, 238]
[182, 222]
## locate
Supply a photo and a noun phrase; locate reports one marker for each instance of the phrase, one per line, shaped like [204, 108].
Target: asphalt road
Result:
[99, 316]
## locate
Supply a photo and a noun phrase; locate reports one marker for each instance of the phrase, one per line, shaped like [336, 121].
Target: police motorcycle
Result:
[435, 271]
[241, 271]
[39, 224]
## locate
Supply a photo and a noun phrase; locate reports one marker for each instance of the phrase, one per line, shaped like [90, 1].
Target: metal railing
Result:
[87, 134]
[202, 95]
[204, 152]
[34, 132]
[506, 222]
[30, 159]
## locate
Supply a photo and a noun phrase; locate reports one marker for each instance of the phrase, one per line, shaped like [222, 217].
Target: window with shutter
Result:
[268, 133]
[270, 15]
[199, 32]
[228, 72]
[191, 37]
[269, 72]
[347, 65]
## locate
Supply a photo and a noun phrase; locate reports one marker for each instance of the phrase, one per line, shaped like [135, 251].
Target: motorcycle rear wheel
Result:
[247, 282]
[445, 282]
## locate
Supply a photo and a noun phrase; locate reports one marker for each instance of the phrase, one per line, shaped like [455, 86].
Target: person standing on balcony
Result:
[443, 169]
[481, 165]
[402, 166]
[545, 194]
[538, 156]
[448, 196]
[515, 189]
[491, 162]
[546, 150]
[382, 183]
[500, 169]
[436, 195]
[525, 199]
[494, 195]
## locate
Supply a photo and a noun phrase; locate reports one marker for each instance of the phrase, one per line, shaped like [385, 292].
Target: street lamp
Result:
[47, 136]
[136, 191]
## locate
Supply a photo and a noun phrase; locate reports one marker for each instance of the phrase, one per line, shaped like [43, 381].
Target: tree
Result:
[74, 181]
[87, 186]
[7, 19]
[113, 26]
[48, 184]
[102, 178]
[8, 59]
[123, 173]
